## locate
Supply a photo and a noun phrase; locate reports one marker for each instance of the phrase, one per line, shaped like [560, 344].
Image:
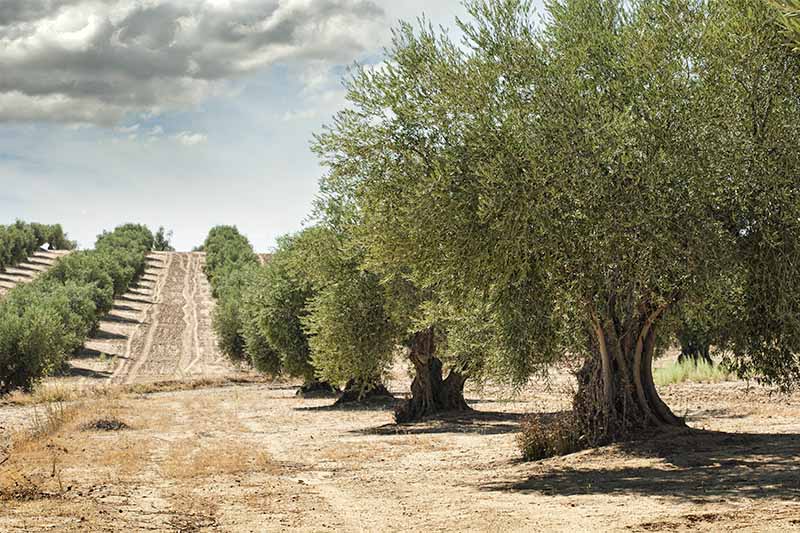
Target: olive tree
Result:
[368, 311]
[275, 307]
[162, 240]
[349, 332]
[585, 178]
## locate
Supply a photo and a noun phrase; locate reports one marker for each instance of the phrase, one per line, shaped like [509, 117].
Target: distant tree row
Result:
[20, 240]
[44, 321]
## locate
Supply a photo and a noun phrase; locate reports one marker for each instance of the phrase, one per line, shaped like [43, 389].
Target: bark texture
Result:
[617, 397]
[430, 392]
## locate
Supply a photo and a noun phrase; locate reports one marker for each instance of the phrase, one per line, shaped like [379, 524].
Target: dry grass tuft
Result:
[49, 419]
[190, 459]
[540, 439]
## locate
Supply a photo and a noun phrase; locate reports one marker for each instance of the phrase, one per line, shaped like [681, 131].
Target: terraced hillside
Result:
[39, 262]
[159, 330]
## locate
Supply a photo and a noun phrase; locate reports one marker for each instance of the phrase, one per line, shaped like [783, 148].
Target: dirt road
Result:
[159, 330]
[255, 457]
[39, 262]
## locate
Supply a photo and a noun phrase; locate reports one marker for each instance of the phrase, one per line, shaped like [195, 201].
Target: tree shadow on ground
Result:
[91, 353]
[74, 372]
[375, 404]
[477, 422]
[123, 307]
[107, 335]
[135, 299]
[139, 291]
[112, 317]
[689, 465]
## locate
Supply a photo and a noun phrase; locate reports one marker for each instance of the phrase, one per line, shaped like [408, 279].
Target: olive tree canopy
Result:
[585, 177]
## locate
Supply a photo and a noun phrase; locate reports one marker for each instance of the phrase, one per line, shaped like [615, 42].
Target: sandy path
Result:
[256, 458]
[252, 458]
[160, 330]
[41, 261]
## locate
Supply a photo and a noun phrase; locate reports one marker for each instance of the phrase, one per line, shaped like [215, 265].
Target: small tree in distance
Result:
[162, 240]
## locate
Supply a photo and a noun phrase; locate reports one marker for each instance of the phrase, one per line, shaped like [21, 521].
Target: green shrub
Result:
[275, 308]
[230, 266]
[91, 269]
[30, 345]
[19, 241]
[42, 322]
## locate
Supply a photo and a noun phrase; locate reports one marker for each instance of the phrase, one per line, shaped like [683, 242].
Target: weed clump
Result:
[540, 439]
[105, 424]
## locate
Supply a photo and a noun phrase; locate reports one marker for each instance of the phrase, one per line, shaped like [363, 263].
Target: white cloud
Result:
[128, 129]
[187, 138]
[95, 61]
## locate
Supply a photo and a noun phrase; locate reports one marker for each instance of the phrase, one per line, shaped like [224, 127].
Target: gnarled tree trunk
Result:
[430, 393]
[617, 397]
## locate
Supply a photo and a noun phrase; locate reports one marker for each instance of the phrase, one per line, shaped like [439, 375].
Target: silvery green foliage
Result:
[44, 321]
[789, 18]
[231, 266]
[620, 156]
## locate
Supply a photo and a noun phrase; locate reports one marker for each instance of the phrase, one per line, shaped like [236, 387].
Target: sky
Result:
[178, 113]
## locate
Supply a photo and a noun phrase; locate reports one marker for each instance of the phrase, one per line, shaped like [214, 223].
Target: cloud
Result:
[96, 61]
[187, 138]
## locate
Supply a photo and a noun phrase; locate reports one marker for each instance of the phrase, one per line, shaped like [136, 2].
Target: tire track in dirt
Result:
[129, 364]
[158, 355]
[175, 339]
[193, 352]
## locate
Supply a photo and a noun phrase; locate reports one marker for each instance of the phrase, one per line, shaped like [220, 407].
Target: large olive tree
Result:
[583, 179]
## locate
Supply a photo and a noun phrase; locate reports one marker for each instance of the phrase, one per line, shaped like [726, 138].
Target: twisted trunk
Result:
[616, 396]
[430, 393]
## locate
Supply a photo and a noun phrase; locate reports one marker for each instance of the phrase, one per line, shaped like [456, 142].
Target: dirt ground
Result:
[248, 456]
[160, 329]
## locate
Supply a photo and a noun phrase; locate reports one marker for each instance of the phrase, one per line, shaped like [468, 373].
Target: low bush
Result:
[541, 438]
[42, 322]
[20, 240]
